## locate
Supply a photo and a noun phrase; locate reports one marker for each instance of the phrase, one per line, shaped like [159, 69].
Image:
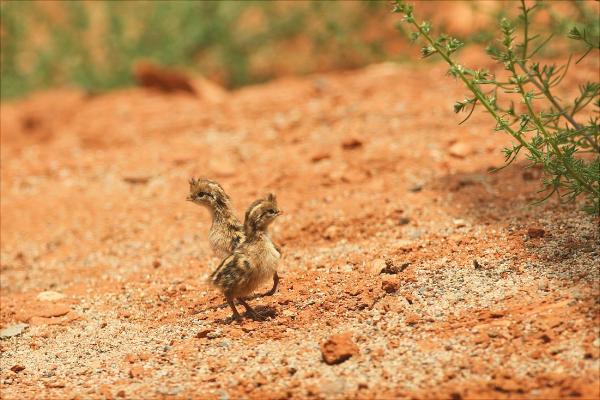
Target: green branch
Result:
[558, 149]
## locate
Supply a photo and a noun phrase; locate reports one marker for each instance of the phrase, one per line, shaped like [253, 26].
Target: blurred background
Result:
[95, 45]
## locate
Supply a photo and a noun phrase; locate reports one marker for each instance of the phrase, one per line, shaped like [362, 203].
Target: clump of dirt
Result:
[395, 236]
[162, 79]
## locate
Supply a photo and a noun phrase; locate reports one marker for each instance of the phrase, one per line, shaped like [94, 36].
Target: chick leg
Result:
[249, 309]
[236, 314]
[274, 288]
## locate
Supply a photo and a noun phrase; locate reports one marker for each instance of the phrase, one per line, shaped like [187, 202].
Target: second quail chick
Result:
[254, 261]
[226, 232]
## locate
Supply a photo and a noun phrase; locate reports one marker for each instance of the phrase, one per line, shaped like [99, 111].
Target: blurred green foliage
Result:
[94, 45]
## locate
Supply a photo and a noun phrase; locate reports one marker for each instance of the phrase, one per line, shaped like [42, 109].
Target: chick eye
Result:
[202, 194]
[271, 211]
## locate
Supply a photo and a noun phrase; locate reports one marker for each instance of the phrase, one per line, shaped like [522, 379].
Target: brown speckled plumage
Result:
[253, 261]
[226, 232]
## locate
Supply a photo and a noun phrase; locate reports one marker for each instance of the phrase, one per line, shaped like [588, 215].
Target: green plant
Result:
[546, 130]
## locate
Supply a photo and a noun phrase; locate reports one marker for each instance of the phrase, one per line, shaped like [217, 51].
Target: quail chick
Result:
[253, 261]
[226, 232]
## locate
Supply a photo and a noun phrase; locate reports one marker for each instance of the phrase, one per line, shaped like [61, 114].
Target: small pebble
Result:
[338, 348]
[404, 221]
[459, 223]
[17, 368]
[535, 232]
[13, 330]
[390, 285]
[50, 296]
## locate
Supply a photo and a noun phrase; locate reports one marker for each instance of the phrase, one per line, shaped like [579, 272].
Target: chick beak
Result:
[279, 212]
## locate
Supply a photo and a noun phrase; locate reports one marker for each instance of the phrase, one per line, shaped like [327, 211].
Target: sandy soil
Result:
[482, 294]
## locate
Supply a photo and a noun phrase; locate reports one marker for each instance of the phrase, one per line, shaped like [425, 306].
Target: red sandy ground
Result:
[368, 166]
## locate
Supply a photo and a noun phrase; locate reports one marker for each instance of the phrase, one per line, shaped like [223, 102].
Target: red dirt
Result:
[373, 173]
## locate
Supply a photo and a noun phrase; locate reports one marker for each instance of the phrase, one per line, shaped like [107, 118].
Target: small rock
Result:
[415, 188]
[214, 334]
[390, 285]
[288, 313]
[331, 232]
[412, 319]
[203, 333]
[476, 264]
[378, 266]
[391, 268]
[404, 221]
[130, 358]
[353, 290]
[165, 79]
[137, 180]
[409, 276]
[535, 232]
[124, 314]
[156, 263]
[320, 157]
[546, 337]
[136, 371]
[121, 393]
[50, 296]
[338, 348]
[459, 150]
[409, 297]
[347, 268]
[459, 223]
[351, 144]
[13, 330]
[535, 354]
[62, 319]
[17, 368]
